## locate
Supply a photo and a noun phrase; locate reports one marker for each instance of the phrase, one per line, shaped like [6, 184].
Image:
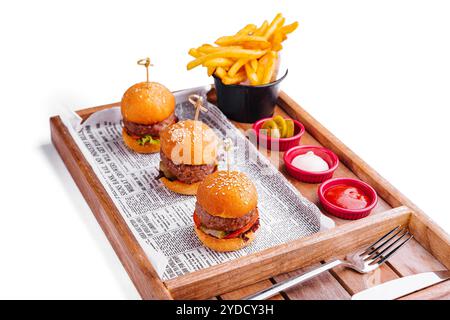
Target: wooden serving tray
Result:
[428, 251]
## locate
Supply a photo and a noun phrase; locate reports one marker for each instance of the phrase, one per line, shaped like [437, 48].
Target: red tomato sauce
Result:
[347, 197]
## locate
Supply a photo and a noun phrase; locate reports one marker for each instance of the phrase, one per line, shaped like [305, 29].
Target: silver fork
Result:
[363, 261]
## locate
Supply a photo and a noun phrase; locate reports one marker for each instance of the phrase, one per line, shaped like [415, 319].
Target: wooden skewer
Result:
[227, 146]
[197, 102]
[145, 62]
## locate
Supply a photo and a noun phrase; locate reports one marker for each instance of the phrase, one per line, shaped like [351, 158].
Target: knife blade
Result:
[400, 287]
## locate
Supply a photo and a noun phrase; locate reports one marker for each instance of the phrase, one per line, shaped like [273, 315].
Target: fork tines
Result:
[386, 246]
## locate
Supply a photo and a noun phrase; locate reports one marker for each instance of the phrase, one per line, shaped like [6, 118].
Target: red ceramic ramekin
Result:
[278, 144]
[347, 213]
[306, 176]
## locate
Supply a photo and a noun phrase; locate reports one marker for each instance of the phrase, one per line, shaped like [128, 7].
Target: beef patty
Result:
[187, 173]
[137, 129]
[223, 224]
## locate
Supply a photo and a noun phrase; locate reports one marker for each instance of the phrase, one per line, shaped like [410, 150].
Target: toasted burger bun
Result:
[227, 194]
[147, 103]
[132, 143]
[224, 244]
[180, 187]
[189, 142]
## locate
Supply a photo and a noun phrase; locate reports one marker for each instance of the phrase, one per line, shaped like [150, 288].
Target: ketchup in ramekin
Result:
[347, 198]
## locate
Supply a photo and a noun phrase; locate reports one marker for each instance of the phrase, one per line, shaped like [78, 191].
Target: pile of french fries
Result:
[250, 56]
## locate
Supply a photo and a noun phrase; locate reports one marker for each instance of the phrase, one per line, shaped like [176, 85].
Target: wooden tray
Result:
[430, 250]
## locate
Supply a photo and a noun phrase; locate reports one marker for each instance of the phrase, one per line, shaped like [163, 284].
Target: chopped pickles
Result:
[278, 127]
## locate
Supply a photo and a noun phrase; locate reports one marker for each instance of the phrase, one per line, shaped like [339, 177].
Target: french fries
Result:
[270, 66]
[245, 41]
[261, 30]
[254, 64]
[246, 30]
[236, 67]
[276, 23]
[205, 49]
[238, 78]
[249, 56]
[211, 71]
[195, 53]
[251, 74]
[226, 53]
[289, 28]
[221, 72]
[276, 41]
[219, 62]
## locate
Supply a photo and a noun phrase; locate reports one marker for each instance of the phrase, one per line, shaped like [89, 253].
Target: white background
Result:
[376, 73]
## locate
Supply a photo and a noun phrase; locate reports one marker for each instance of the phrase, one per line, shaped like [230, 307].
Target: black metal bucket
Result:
[245, 103]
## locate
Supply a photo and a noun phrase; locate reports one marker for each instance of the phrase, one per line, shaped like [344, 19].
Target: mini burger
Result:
[226, 214]
[147, 108]
[188, 155]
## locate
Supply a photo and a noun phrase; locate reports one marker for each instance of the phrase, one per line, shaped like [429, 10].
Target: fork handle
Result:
[289, 283]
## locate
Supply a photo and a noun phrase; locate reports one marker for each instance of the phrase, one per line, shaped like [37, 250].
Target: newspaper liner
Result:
[160, 220]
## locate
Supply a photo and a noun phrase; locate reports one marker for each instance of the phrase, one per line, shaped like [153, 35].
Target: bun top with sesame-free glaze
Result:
[147, 103]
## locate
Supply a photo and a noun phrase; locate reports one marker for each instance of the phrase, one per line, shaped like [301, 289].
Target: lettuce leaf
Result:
[147, 139]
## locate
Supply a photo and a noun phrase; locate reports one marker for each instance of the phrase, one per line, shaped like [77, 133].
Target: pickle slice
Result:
[215, 233]
[275, 133]
[289, 128]
[269, 124]
[281, 123]
[271, 129]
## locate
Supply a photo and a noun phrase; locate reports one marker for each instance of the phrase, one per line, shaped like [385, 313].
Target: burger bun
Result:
[132, 143]
[223, 245]
[180, 187]
[227, 194]
[147, 103]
